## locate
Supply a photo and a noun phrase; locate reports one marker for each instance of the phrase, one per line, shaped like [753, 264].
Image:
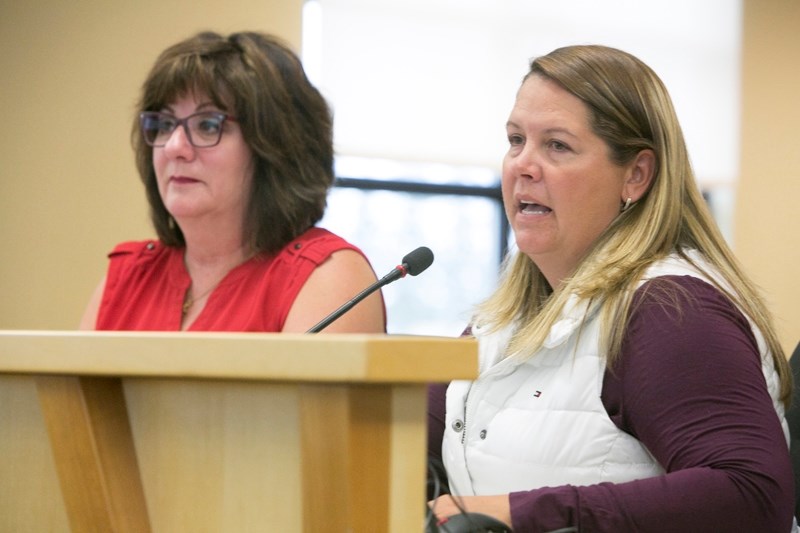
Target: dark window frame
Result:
[493, 193]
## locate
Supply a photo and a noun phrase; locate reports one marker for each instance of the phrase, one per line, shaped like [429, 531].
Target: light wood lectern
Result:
[173, 432]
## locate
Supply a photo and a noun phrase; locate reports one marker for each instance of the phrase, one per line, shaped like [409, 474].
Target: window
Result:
[389, 208]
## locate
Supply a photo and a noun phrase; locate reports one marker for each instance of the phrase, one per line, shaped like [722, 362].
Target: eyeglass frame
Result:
[222, 117]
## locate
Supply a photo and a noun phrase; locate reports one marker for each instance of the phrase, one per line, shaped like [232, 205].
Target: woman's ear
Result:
[640, 175]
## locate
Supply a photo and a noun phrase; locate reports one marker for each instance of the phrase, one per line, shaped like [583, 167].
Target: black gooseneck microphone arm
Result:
[413, 263]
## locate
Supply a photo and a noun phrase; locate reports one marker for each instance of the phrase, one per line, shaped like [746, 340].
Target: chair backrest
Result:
[793, 419]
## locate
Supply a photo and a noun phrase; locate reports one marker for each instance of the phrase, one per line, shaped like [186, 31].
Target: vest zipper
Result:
[467, 416]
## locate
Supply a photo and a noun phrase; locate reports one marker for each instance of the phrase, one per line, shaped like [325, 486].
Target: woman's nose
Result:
[178, 143]
[527, 163]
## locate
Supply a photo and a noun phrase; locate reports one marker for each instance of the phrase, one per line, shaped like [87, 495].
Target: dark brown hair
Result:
[284, 120]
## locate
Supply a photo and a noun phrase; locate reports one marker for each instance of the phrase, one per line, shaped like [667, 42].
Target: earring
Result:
[171, 223]
[626, 206]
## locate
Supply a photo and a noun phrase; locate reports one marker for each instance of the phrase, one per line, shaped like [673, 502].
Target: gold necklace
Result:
[189, 301]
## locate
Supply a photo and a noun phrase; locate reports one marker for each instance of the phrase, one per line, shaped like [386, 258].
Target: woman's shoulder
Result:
[138, 248]
[682, 290]
[688, 262]
[146, 254]
[317, 244]
[688, 311]
[685, 280]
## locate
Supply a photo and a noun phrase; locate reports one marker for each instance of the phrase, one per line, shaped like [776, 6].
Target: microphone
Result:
[413, 263]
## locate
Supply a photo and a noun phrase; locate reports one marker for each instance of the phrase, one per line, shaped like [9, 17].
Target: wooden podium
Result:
[195, 432]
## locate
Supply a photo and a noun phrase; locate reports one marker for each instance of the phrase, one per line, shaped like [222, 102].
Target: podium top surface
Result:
[243, 356]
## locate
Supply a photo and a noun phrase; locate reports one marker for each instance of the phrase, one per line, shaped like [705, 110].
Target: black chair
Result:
[793, 418]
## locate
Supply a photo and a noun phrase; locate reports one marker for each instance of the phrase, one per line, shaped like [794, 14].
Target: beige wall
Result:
[767, 222]
[69, 77]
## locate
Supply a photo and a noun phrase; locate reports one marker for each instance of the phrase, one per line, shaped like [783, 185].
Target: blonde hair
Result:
[630, 109]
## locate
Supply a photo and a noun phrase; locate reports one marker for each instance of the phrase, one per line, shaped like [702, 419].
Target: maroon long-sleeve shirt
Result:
[689, 386]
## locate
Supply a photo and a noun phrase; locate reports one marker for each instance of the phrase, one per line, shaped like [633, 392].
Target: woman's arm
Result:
[89, 318]
[690, 387]
[332, 284]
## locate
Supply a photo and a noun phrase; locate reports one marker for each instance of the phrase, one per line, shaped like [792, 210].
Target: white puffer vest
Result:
[541, 422]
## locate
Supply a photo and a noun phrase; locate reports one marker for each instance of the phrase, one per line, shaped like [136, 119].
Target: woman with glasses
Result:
[234, 147]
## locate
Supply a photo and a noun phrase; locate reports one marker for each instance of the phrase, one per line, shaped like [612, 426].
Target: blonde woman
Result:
[630, 375]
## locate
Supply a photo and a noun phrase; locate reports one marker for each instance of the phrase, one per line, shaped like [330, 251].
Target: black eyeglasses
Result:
[203, 129]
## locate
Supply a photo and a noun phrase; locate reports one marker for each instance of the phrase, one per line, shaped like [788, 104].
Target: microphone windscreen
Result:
[418, 260]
